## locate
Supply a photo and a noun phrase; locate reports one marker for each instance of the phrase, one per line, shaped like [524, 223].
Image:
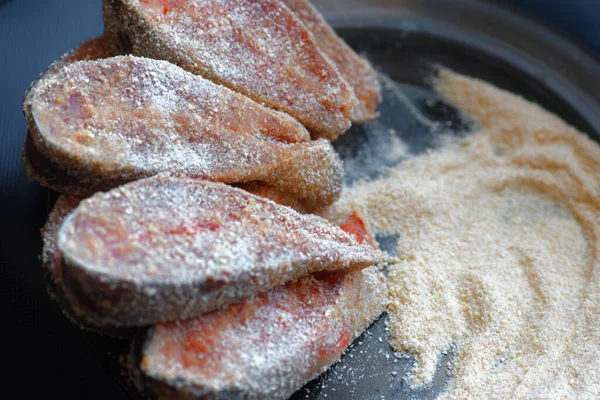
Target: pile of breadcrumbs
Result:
[498, 251]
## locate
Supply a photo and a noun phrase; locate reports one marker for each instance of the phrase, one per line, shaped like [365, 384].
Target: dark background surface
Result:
[580, 18]
[44, 352]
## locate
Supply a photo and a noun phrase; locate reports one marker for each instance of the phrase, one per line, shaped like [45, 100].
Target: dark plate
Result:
[405, 41]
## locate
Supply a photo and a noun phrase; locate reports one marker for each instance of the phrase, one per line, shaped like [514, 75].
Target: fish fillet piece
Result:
[267, 347]
[97, 124]
[357, 71]
[52, 262]
[92, 49]
[166, 248]
[257, 48]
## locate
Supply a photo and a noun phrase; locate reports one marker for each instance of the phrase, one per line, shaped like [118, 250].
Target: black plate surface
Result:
[404, 40]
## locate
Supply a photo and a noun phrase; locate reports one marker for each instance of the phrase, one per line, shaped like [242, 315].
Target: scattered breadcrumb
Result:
[499, 240]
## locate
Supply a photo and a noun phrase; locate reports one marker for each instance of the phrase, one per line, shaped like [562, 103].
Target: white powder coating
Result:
[258, 48]
[92, 49]
[269, 346]
[498, 251]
